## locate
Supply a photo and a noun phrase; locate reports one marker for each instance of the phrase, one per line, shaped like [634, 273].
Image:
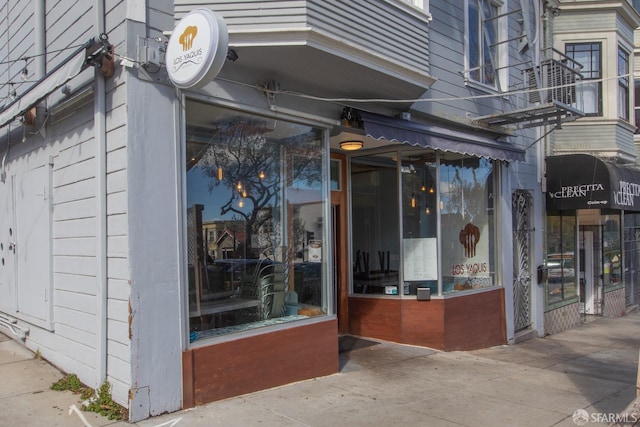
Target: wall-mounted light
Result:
[219, 173]
[351, 145]
[261, 175]
[413, 200]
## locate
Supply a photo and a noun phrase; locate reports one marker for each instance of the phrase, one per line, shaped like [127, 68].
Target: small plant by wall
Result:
[98, 401]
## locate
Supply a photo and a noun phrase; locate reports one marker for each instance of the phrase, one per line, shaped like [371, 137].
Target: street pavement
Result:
[585, 376]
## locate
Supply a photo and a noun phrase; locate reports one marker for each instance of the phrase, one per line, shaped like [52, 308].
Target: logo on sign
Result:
[186, 38]
[197, 49]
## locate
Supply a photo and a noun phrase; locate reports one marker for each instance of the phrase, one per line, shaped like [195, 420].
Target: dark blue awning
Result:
[438, 138]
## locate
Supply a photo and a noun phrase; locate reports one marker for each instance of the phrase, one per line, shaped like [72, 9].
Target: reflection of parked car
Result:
[308, 282]
[559, 266]
[231, 274]
[561, 273]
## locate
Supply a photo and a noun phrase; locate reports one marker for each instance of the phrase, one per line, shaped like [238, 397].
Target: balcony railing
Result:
[549, 93]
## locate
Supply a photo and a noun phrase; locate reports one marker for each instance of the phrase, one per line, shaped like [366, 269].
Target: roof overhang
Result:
[311, 63]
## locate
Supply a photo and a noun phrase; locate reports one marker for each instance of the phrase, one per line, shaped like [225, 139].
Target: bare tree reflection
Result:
[246, 157]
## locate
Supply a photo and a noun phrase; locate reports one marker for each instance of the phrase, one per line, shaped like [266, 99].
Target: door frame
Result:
[587, 285]
[340, 247]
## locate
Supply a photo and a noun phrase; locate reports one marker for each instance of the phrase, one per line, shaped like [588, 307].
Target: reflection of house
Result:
[222, 237]
[228, 243]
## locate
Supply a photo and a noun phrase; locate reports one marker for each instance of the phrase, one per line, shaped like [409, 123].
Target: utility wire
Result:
[28, 57]
[264, 88]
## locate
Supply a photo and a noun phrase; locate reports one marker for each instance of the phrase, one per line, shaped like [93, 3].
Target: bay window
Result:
[422, 219]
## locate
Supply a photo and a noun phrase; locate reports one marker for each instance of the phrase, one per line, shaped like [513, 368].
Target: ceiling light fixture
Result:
[351, 145]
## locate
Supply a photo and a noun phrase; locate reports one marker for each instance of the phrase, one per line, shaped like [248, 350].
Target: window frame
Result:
[624, 81]
[588, 73]
[500, 55]
[231, 279]
[420, 186]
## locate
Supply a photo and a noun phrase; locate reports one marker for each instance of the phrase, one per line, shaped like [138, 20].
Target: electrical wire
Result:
[28, 57]
[264, 88]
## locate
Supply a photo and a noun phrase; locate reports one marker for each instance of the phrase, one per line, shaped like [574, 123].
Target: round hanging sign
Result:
[197, 49]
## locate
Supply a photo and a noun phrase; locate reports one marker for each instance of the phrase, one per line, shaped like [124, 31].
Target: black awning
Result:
[438, 138]
[581, 181]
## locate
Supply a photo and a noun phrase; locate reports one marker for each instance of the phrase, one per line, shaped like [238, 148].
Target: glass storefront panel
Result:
[255, 220]
[375, 225]
[419, 222]
[468, 222]
[611, 249]
[561, 258]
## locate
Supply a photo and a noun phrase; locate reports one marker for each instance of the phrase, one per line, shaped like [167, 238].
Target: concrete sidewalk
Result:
[587, 373]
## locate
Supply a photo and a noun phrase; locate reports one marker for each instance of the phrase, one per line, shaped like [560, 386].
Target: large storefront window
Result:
[398, 199]
[468, 222]
[561, 258]
[255, 221]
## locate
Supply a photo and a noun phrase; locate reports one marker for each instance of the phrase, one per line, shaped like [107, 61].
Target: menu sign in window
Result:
[420, 259]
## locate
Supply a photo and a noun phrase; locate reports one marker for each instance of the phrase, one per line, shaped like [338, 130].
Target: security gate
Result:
[521, 205]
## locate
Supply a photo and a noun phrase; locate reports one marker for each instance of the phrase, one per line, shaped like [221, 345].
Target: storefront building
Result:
[211, 234]
[592, 211]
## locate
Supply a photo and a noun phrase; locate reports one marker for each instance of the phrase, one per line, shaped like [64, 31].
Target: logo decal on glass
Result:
[469, 238]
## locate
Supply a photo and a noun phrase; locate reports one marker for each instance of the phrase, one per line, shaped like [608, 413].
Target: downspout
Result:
[99, 121]
[39, 39]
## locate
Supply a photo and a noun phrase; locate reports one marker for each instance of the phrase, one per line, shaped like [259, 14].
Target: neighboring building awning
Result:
[430, 136]
[581, 181]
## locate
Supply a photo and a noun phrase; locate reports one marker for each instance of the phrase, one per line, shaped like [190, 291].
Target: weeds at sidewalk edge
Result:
[99, 401]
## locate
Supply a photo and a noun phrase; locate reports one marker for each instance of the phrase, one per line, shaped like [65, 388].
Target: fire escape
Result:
[548, 91]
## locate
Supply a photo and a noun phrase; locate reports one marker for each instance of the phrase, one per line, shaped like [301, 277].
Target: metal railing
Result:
[555, 80]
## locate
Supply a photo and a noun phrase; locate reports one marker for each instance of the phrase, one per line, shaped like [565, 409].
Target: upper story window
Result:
[623, 84]
[636, 108]
[420, 4]
[589, 55]
[483, 36]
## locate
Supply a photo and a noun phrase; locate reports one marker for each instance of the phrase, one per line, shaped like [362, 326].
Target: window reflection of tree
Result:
[467, 189]
[252, 162]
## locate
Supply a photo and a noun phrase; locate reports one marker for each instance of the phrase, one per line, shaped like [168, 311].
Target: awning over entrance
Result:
[581, 181]
[430, 136]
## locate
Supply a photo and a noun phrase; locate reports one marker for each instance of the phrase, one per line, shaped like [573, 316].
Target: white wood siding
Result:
[69, 141]
[388, 30]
